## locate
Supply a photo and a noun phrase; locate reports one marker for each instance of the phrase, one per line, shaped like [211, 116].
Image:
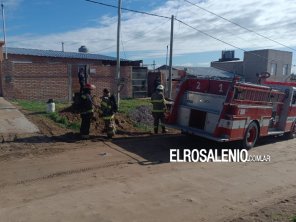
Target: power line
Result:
[126, 9]
[213, 37]
[234, 23]
[138, 36]
[152, 14]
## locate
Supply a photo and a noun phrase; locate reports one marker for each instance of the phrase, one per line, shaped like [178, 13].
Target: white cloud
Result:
[150, 35]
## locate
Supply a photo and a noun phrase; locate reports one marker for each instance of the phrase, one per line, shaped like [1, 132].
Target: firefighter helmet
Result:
[160, 87]
[105, 91]
[89, 86]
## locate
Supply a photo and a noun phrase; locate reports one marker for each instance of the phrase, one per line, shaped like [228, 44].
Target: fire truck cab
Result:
[224, 110]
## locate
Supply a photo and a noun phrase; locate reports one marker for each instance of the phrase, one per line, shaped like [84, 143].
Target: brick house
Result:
[42, 74]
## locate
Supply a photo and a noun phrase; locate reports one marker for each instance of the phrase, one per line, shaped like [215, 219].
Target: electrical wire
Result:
[234, 23]
[211, 36]
[138, 37]
[126, 9]
[234, 46]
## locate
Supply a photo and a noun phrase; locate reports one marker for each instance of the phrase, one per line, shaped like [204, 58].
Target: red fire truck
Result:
[224, 110]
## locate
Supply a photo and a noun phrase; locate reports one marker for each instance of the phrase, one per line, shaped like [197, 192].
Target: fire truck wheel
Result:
[292, 133]
[251, 136]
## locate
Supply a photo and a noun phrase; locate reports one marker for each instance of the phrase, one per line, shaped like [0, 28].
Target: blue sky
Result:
[45, 24]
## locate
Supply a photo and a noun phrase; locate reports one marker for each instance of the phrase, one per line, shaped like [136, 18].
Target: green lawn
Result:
[40, 109]
[36, 106]
[126, 105]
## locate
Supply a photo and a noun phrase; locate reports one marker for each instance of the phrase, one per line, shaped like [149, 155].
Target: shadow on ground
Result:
[155, 149]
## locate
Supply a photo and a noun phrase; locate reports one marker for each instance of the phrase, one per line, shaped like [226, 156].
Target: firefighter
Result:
[157, 82]
[108, 109]
[86, 107]
[82, 79]
[159, 108]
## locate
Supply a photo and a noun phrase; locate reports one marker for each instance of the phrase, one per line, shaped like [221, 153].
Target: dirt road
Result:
[131, 179]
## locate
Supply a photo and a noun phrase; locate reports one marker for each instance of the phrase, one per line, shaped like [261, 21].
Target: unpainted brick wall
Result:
[35, 81]
[105, 77]
[42, 81]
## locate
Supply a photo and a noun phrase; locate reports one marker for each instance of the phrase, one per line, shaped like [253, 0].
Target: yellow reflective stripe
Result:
[108, 117]
[104, 104]
[83, 96]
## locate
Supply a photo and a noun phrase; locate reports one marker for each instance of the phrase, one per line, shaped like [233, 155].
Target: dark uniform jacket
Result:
[108, 106]
[81, 77]
[158, 102]
[86, 103]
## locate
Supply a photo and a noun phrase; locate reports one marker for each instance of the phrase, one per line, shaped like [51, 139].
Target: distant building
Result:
[229, 66]
[204, 72]
[277, 63]
[229, 63]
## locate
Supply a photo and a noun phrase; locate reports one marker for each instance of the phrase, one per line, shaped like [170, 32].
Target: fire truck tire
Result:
[251, 136]
[292, 133]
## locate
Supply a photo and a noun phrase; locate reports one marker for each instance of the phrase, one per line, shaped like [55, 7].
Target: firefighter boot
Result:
[156, 129]
[164, 130]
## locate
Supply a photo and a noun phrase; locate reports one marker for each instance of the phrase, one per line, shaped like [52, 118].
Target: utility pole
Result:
[118, 56]
[62, 46]
[166, 59]
[4, 29]
[171, 57]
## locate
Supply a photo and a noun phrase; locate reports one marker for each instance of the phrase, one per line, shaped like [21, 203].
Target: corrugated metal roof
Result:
[206, 72]
[59, 54]
[203, 72]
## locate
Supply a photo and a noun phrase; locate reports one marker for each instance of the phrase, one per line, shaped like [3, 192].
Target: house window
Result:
[273, 69]
[285, 69]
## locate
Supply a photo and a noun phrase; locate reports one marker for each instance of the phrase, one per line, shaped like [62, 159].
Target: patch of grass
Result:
[293, 219]
[63, 121]
[58, 119]
[33, 106]
[126, 105]
[74, 126]
[37, 106]
[40, 108]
